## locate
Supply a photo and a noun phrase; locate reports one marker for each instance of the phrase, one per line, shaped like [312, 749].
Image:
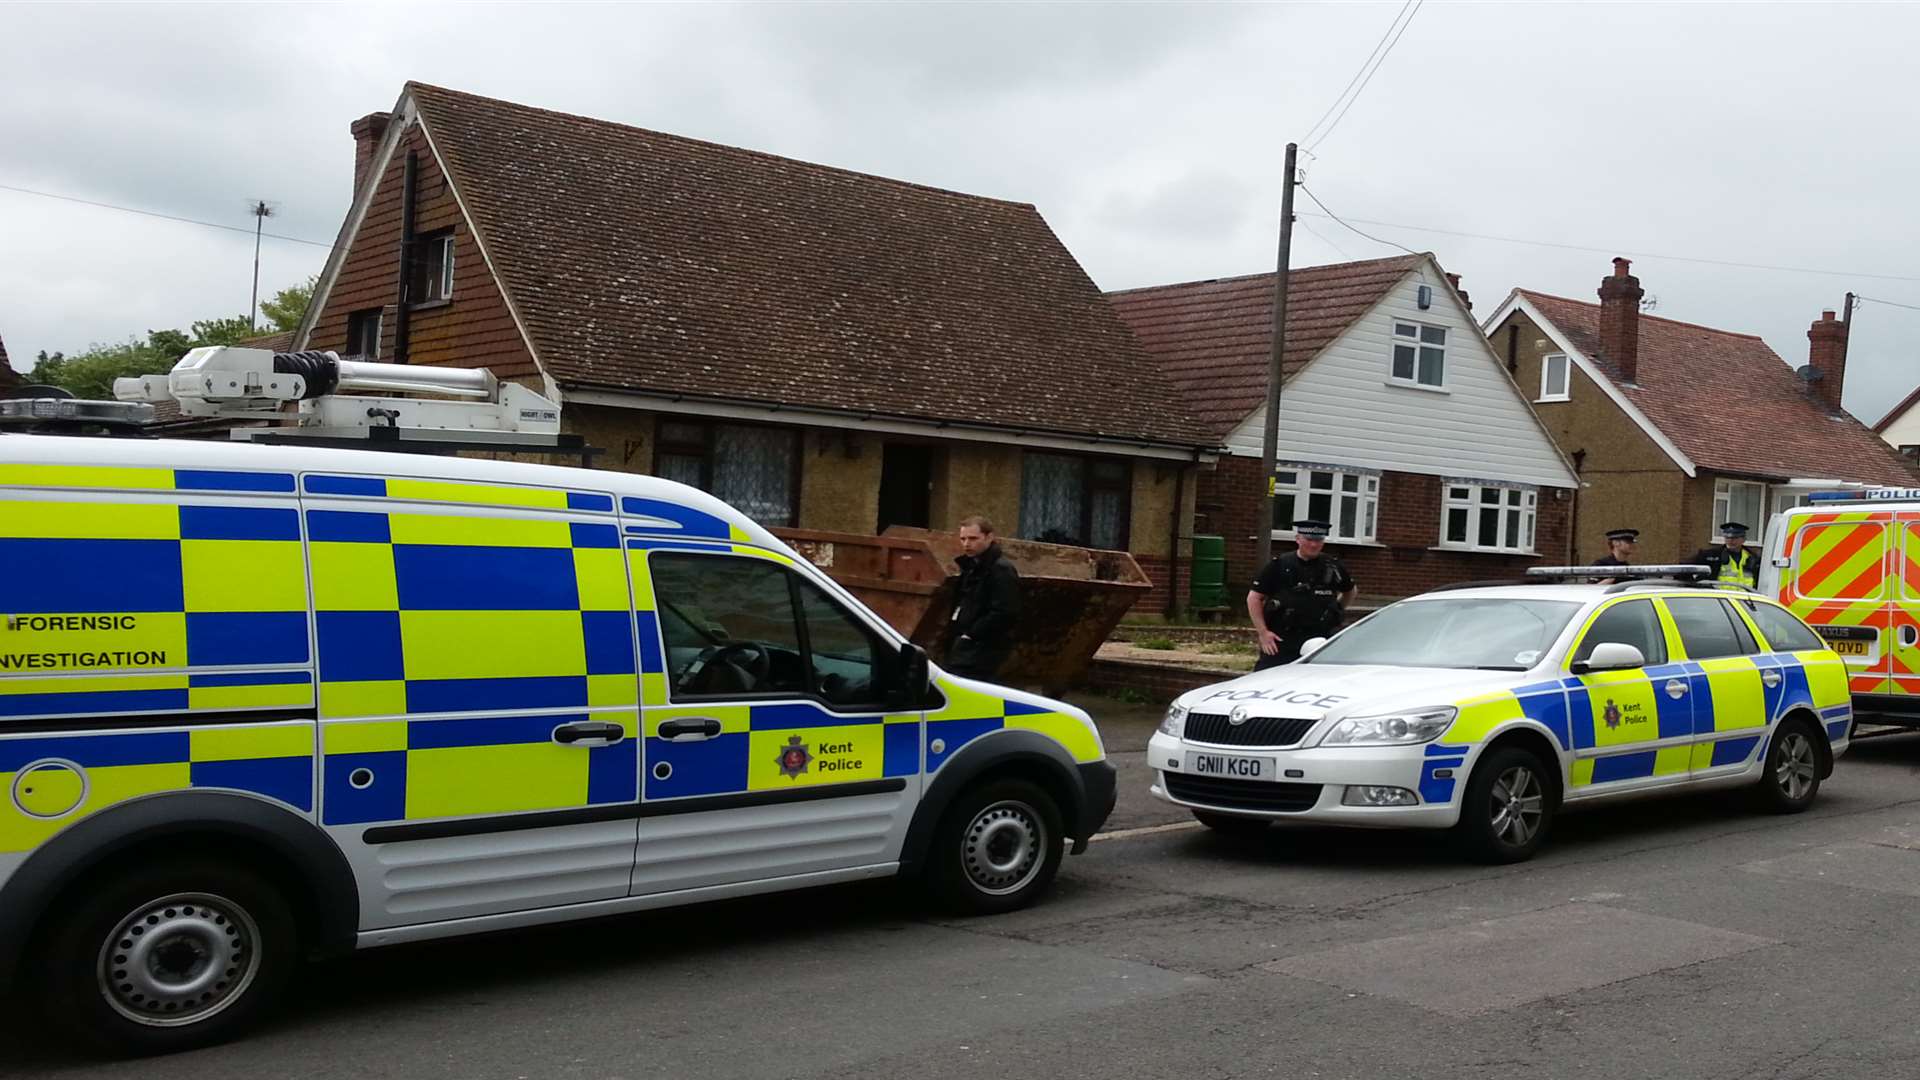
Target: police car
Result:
[1486, 710]
[259, 703]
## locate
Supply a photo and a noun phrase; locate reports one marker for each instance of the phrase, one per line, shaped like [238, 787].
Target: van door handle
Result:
[1770, 677]
[1676, 689]
[594, 732]
[1909, 636]
[689, 729]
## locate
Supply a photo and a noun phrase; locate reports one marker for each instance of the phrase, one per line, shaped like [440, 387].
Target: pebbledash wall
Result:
[1406, 557]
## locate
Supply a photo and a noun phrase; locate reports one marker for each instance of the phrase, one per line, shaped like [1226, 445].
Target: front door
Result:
[477, 682]
[1631, 728]
[906, 486]
[769, 752]
[1732, 716]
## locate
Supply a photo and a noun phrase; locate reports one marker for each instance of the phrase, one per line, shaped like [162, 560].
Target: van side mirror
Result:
[1311, 646]
[910, 678]
[1611, 656]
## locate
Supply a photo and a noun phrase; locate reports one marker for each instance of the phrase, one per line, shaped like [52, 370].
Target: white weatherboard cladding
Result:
[1340, 409]
[1904, 431]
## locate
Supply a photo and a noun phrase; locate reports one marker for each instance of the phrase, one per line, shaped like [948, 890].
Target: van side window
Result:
[1632, 622]
[728, 626]
[843, 655]
[1783, 632]
[1708, 628]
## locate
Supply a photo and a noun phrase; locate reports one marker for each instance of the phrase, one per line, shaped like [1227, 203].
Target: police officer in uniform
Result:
[1734, 564]
[1298, 596]
[1621, 545]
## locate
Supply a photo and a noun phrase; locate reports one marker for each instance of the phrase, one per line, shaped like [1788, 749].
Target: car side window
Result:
[1709, 628]
[1631, 622]
[728, 626]
[1784, 633]
[844, 656]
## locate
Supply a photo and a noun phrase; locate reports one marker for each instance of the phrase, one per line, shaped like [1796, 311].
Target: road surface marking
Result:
[1148, 830]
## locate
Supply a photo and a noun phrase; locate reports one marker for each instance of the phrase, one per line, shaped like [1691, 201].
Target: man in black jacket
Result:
[988, 604]
[1734, 564]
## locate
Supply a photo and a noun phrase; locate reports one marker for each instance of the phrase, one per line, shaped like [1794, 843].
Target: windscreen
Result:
[1494, 633]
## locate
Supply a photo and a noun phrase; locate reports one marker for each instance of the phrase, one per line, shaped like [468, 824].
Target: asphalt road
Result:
[1678, 938]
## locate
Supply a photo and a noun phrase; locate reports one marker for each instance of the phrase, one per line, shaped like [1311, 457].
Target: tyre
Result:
[1232, 825]
[997, 848]
[1791, 777]
[165, 958]
[1508, 807]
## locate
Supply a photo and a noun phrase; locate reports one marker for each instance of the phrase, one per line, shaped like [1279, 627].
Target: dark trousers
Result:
[969, 660]
[1289, 652]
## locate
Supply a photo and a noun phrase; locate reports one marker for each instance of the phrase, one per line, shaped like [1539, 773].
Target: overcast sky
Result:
[1149, 136]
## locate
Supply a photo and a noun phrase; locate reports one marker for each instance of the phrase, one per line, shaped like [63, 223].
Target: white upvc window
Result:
[1556, 378]
[1785, 500]
[1738, 500]
[1488, 517]
[1347, 499]
[1419, 354]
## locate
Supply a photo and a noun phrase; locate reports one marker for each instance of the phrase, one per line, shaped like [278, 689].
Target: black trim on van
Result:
[107, 723]
[549, 819]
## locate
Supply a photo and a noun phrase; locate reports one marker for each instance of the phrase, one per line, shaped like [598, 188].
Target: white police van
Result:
[1485, 710]
[259, 703]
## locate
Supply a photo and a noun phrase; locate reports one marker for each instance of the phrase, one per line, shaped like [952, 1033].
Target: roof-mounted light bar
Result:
[1890, 494]
[1676, 571]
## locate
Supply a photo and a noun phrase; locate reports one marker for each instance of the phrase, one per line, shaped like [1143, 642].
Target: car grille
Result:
[1256, 731]
[1242, 794]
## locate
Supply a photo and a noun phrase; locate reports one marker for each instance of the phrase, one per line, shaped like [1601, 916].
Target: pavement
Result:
[1685, 938]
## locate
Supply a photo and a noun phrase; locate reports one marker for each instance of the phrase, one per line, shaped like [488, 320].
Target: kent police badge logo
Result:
[1612, 715]
[794, 758]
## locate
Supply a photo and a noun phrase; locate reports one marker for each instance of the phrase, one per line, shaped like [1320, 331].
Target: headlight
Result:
[1175, 721]
[1396, 729]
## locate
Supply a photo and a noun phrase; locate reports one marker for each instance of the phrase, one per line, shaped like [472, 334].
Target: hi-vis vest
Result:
[1733, 568]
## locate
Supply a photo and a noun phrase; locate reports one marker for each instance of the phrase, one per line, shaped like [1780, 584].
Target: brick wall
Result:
[1154, 603]
[472, 329]
[1404, 563]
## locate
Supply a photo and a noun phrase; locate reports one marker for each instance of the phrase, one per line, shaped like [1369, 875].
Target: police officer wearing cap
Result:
[1298, 596]
[1621, 545]
[1734, 564]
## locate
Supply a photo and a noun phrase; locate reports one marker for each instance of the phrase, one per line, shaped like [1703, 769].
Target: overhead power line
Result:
[1359, 71]
[1889, 303]
[163, 217]
[1342, 221]
[1616, 250]
[1409, 11]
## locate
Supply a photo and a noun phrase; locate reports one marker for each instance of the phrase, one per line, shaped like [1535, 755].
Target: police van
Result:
[1848, 563]
[1486, 710]
[262, 703]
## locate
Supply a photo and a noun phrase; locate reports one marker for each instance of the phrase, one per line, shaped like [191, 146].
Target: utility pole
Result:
[1846, 330]
[1270, 438]
[261, 212]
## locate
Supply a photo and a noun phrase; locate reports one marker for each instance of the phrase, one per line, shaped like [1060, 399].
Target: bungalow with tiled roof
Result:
[1397, 422]
[8, 376]
[1677, 428]
[821, 348]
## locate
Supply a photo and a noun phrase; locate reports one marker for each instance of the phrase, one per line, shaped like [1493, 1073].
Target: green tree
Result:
[288, 306]
[90, 374]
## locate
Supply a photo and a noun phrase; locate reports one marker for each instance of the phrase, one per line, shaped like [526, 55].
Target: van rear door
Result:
[1840, 579]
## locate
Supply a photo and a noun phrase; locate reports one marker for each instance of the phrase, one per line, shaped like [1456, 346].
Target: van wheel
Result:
[1232, 825]
[167, 958]
[997, 848]
[1791, 777]
[1508, 807]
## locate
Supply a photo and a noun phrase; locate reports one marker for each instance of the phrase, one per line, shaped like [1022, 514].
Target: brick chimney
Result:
[1827, 352]
[1620, 322]
[367, 133]
[1454, 280]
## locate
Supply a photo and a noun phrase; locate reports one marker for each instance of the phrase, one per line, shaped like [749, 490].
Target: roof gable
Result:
[1725, 400]
[649, 263]
[1214, 338]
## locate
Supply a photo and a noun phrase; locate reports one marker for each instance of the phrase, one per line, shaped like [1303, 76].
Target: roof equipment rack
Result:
[312, 389]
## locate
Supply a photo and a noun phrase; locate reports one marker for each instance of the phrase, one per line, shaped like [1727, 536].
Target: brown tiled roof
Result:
[280, 342]
[1214, 338]
[1729, 403]
[8, 376]
[640, 261]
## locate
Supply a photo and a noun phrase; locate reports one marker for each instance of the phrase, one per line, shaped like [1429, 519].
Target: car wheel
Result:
[1508, 806]
[997, 849]
[1791, 777]
[1231, 824]
[167, 958]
